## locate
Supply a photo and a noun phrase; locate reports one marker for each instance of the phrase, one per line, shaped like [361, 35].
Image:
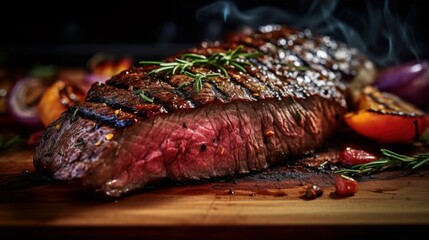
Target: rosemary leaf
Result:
[250, 55]
[198, 85]
[235, 51]
[161, 69]
[168, 64]
[193, 56]
[422, 162]
[212, 75]
[74, 116]
[144, 97]
[181, 86]
[80, 144]
[223, 70]
[141, 94]
[189, 74]
[181, 61]
[238, 66]
[175, 69]
[12, 142]
[151, 62]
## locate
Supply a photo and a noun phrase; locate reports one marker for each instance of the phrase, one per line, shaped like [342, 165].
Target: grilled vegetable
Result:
[23, 100]
[386, 118]
[409, 81]
[56, 99]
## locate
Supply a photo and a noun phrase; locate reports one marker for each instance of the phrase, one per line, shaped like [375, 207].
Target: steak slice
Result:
[289, 101]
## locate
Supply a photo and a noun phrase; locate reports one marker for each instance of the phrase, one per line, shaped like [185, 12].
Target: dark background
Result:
[69, 33]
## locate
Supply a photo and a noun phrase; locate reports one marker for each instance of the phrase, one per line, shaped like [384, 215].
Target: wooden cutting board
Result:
[266, 205]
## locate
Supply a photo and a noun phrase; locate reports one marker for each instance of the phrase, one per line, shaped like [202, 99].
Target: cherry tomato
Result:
[345, 186]
[351, 156]
[34, 137]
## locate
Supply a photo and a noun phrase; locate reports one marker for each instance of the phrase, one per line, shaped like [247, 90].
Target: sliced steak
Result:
[289, 101]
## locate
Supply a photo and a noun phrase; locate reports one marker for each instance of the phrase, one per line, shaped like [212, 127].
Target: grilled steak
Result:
[288, 101]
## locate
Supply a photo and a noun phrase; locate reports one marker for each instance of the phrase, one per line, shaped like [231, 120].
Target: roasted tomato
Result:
[352, 156]
[56, 99]
[345, 186]
[386, 118]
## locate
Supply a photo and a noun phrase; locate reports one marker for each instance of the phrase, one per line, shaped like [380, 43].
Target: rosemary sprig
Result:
[219, 60]
[141, 94]
[298, 68]
[389, 160]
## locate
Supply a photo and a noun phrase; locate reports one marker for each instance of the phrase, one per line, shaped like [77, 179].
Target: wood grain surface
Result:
[266, 204]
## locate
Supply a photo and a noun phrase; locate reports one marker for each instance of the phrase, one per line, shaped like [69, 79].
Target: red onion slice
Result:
[409, 81]
[23, 99]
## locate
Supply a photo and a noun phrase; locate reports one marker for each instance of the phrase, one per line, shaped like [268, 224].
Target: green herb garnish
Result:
[198, 80]
[141, 94]
[79, 144]
[10, 143]
[299, 68]
[219, 60]
[74, 116]
[389, 160]
[44, 72]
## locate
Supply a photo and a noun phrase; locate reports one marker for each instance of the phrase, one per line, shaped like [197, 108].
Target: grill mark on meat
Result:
[305, 55]
[284, 65]
[166, 94]
[322, 75]
[334, 56]
[219, 94]
[280, 58]
[104, 114]
[258, 71]
[266, 73]
[123, 99]
[257, 88]
[301, 45]
[161, 93]
[276, 42]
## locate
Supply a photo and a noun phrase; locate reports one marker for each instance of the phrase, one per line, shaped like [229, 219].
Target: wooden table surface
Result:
[264, 205]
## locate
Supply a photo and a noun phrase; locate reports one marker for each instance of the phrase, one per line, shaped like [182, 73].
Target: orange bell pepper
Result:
[386, 118]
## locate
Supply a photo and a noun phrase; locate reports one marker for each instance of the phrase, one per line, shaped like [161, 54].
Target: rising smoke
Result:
[377, 30]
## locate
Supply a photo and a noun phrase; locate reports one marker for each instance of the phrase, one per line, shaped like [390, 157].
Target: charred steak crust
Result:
[288, 102]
